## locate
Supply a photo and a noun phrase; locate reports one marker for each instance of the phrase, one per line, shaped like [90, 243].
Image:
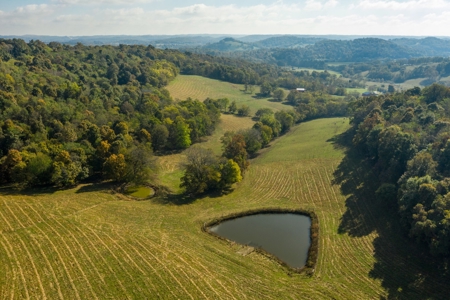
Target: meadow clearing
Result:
[200, 88]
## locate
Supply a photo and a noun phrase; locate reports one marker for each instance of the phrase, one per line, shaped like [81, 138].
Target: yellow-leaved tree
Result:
[115, 167]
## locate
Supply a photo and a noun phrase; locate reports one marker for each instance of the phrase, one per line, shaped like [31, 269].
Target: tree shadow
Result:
[275, 100]
[405, 269]
[357, 183]
[95, 187]
[36, 191]
[88, 186]
[168, 198]
[259, 96]
[174, 199]
[246, 92]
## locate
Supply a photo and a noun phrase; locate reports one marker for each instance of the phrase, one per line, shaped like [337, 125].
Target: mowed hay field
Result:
[200, 88]
[88, 243]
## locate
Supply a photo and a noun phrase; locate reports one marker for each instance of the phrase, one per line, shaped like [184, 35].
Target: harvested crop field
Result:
[89, 243]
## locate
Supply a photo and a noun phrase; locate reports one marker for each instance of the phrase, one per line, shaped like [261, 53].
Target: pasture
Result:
[90, 243]
[356, 90]
[200, 88]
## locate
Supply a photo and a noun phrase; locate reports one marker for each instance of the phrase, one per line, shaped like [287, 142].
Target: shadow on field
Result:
[48, 190]
[405, 269]
[95, 187]
[184, 199]
[175, 199]
[28, 191]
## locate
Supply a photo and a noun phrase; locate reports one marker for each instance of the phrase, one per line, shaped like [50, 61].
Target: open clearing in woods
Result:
[86, 243]
[200, 88]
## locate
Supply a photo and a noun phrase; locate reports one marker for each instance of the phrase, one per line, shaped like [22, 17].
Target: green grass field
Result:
[140, 192]
[356, 90]
[200, 88]
[89, 243]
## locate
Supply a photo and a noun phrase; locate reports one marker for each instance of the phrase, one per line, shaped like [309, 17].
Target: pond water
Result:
[284, 235]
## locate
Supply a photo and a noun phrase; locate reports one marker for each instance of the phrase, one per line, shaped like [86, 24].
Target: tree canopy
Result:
[406, 137]
[68, 113]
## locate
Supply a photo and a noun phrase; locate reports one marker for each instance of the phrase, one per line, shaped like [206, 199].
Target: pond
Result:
[284, 235]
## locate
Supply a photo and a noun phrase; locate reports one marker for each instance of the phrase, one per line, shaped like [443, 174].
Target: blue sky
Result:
[139, 17]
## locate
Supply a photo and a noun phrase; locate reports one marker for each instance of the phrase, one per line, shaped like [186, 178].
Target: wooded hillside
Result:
[69, 113]
[406, 138]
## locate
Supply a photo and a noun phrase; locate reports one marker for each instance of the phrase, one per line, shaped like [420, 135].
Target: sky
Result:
[170, 17]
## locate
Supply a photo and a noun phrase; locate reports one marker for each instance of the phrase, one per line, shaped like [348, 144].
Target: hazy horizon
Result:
[176, 17]
[224, 35]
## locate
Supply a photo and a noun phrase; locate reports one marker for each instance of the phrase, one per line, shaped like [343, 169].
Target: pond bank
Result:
[311, 260]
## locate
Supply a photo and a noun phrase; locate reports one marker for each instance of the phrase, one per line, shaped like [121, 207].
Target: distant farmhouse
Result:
[301, 90]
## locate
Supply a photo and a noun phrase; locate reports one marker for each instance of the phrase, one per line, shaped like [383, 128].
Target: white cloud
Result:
[321, 17]
[331, 3]
[94, 2]
[125, 12]
[26, 14]
[74, 18]
[31, 8]
[313, 5]
[402, 5]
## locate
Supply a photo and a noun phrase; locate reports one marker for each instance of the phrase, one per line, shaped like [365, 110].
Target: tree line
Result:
[205, 172]
[406, 138]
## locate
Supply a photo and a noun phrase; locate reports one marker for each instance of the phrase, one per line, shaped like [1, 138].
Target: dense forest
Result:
[429, 46]
[70, 113]
[237, 70]
[430, 69]
[347, 49]
[313, 52]
[406, 138]
[374, 59]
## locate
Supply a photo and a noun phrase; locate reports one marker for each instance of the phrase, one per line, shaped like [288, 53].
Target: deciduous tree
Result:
[235, 150]
[279, 94]
[115, 167]
[233, 107]
[201, 171]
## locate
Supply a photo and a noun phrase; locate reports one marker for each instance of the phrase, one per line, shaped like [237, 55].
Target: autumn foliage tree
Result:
[204, 172]
[115, 167]
[406, 138]
[66, 110]
[201, 172]
[66, 171]
[235, 149]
